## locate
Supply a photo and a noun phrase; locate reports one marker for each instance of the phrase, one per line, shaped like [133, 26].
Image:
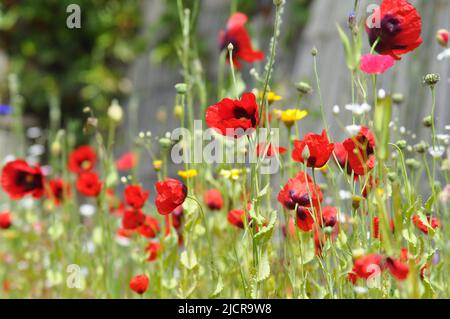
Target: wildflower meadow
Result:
[235, 198]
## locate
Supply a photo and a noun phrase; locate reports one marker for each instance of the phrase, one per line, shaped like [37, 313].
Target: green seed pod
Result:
[181, 88]
[397, 98]
[402, 144]
[420, 147]
[303, 88]
[431, 79]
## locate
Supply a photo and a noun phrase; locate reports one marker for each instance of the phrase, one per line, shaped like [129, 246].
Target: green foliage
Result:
[83, 66]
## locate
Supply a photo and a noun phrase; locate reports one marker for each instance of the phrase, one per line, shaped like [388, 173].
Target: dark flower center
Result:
[389, 28]
[29, 181]
[241, 113]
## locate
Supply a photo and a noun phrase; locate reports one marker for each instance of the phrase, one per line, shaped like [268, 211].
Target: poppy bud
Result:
[402, 144]
[165, 142]
[314, 51]
[139, 284]
[178, 111]
[397, 98]
[303, 88]
[115, 111]
[442, 37]
[181, 88]
[392, 176]
[431, 79]
[305, 153]
[230, 47]
[412, 163]
[427, 121]
[278, 2]
[420, 147]
[55, 148]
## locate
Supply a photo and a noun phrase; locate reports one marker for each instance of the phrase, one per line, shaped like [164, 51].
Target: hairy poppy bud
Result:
[427, 121]
[303, 88]
[402, 144]
[397, 98]
[442, 37]
[431, 79]
[412, 163]
[314, 51]
[420, 147]
[115, 111]
[178, 111]
[165, 142]
[181, 88]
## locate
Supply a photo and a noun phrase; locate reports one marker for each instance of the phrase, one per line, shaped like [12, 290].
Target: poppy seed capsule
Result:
[397, 98]
[427, 121]
[181, 88]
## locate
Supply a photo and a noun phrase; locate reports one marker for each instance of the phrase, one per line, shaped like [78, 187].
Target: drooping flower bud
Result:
[442, 37]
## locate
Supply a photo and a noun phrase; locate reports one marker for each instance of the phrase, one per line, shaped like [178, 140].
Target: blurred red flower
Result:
[237, 35]
[58, 190]
[297, 192]
[5, 220]
[213, 199]
[361, 151]
[399, 28]
[139, 284]
[319, 149]
[329, 216]
[18, 180]
[376, 64]
[82, 159]
[397, 268]
[150, 227]
[88, 184]
[269, 151]
[234, 117]
[135, 196]
[305, 220]
[433, 221]
[133, 218]
[153, 249]
[236, 217]
[126, 162]
[365, 267]
[171, 193]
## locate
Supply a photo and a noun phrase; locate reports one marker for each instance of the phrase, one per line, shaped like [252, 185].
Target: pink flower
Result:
[376, 64]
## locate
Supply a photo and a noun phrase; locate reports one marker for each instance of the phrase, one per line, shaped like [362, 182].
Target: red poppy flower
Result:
[150, 227]
[376, 64]
[305, 220]
[133, 218]
[57, 190]
[126, 162]
[297, 192]
[177, 218]
[153, 249]
[269, 150]
[361, 151]
[365, 267]
[236, 217]
[124, 233]
[5, 220]
[397, 268]
[341, 156]
[19, 180]
[88, 184]
[135, 196]
[139, 284]
[319, 147]
[376, 227]
[329, 216]
[171, 193]
[433, 221]
[82, 159]
[234, 117]
[213, 199]
[399, 28]
[237, 35]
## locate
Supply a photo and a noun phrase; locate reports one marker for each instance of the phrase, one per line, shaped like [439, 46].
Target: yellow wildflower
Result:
[233, 174]
[188, 174]
[290, 116]
[157, 165]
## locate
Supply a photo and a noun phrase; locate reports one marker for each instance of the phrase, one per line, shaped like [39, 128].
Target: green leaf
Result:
[189, 260]
[263, 267]
[409, 237]
[219, 287]
[264, 235]
[347, 47]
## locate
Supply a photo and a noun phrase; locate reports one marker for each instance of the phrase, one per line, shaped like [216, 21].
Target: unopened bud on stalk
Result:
[352, 21]
[392, 176]
[431, 79]
[305, 153]
[178, 111]
[165, 142]
[87, 109]
[278, 2]
[181, 88]
[420, 147]
[442, 37]
[230, 46]
[303, 88]
[397, 98]
[427, 121]
[55, 148]
[115, 112]
[402, 144]
[314, 51]
[412, 163]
